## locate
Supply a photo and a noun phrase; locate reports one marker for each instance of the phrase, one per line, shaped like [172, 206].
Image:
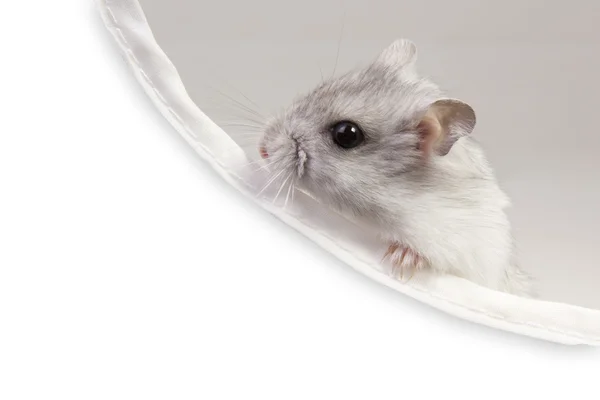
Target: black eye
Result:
[347, 134]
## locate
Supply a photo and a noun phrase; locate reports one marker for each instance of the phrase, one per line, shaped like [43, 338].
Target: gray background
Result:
[529, 68]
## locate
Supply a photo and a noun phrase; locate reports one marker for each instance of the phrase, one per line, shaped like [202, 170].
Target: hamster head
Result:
[351, 137]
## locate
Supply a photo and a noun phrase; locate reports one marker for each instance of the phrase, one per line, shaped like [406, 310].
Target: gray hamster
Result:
[387, 149]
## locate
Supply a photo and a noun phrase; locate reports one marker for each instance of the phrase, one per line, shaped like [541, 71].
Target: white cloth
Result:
[563, 323]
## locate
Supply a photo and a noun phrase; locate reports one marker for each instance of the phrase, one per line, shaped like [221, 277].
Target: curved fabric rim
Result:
[557, 322]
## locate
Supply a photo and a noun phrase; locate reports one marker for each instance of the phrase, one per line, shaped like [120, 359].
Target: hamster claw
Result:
[404, 261]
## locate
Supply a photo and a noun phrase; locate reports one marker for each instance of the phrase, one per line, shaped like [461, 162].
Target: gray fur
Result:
[448, 208]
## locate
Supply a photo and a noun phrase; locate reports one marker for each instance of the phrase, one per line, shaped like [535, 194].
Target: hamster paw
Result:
[404, 261]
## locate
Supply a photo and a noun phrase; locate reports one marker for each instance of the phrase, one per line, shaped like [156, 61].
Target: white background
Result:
[128, 270]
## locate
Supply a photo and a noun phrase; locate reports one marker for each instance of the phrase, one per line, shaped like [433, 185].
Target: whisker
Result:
[245, 134]
[265, 166]
[293, 192]
[244, 125]
[240, 92]
[246, 97]
[246, 143]
[254, 139]
[337, 56]
[228, 83]
[287, 197]
[246, 140]
[240, 104]
[248, 148]
[245, 148]
[255, 164]
[251, 163]
[270, 182]
[248, 151]
[282, 186]
[249, 140]
[233, 117]
[248, 132]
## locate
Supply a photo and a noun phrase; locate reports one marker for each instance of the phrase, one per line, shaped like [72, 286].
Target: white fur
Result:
[449, 209]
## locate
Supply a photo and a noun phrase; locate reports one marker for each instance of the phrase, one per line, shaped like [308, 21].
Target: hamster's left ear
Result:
[401, 54]
[445, 122]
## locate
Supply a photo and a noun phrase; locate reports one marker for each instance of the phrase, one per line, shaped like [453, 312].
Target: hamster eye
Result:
[347, 134]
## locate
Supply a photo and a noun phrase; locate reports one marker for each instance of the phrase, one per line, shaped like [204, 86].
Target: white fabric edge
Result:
[556, 322]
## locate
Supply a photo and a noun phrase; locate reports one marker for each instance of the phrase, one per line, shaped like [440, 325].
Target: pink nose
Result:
[263, 152]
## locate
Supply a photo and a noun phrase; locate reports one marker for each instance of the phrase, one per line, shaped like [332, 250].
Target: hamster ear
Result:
[400, 54]
[445, 122]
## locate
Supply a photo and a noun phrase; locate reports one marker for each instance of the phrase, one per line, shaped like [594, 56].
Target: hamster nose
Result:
[263, 152]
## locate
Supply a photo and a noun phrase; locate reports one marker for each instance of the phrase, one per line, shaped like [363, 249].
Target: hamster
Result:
[386, 148]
